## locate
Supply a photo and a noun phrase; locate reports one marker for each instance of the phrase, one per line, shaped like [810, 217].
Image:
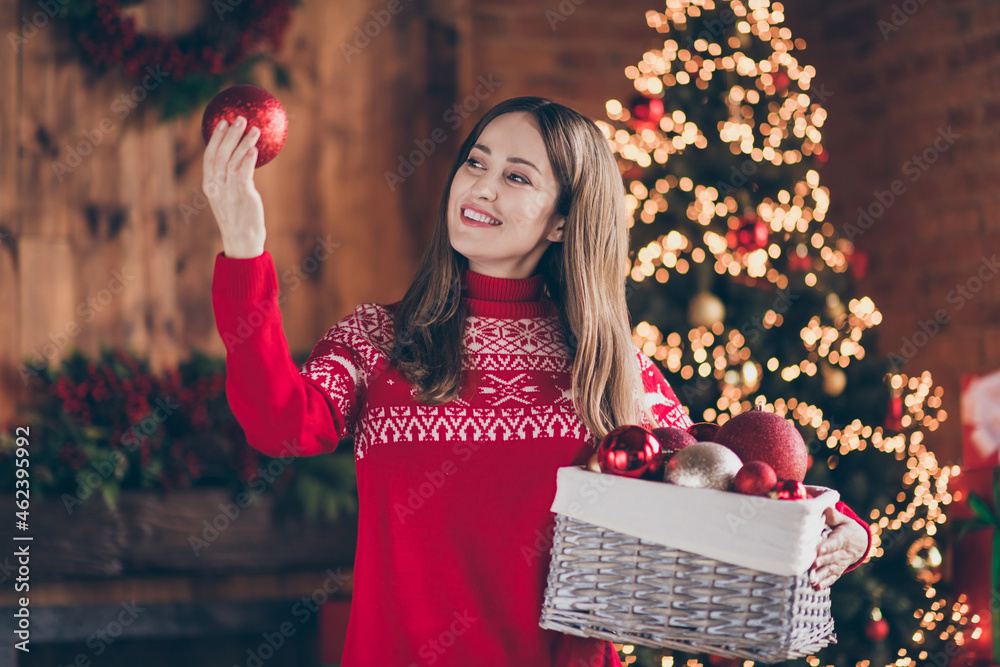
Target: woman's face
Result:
[507, 178]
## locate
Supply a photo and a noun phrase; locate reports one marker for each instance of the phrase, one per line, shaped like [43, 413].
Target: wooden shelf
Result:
[337, 582]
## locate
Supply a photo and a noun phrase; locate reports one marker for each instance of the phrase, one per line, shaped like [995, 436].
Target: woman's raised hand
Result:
[229, 163]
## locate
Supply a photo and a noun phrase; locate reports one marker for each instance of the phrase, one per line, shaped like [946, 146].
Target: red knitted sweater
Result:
[454, 524]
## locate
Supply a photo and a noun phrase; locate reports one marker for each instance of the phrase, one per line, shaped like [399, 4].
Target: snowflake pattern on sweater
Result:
[522, 374]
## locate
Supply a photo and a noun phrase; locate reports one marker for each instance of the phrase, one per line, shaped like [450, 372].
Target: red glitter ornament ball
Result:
[631, 451]
[672, 439]
[788, 489]
[704, 431]
[261, 109]
[764, 436]
[755, 478]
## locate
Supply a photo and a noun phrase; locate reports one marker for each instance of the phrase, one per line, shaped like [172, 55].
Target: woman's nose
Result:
[484, 187]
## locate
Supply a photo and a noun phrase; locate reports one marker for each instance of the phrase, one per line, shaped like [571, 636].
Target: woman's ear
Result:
[556, 235]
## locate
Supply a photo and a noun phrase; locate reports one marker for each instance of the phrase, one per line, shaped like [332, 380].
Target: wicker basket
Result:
[610, 585]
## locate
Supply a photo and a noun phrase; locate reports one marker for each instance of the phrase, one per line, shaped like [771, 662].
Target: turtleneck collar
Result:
[516, 298]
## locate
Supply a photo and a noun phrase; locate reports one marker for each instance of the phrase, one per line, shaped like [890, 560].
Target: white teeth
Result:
[479, 217]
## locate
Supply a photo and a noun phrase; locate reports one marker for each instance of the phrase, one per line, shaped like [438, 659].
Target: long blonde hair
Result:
[584, 276]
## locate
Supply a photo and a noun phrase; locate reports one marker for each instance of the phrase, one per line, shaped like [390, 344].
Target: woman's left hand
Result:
[843, 547]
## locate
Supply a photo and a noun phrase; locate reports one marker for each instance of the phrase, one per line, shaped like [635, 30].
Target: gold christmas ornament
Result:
[834, 306]
[741, 379]
[705, 309]
[834, 381]
[925, 559]
[592, 464]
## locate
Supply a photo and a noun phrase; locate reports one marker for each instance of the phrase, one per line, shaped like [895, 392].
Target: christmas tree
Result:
[740, 288]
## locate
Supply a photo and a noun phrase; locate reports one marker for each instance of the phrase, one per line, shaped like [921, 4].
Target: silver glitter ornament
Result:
[703, 465]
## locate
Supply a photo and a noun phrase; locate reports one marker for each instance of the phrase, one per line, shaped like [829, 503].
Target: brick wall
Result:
[889, 100]
[572, 51]
[915, 99]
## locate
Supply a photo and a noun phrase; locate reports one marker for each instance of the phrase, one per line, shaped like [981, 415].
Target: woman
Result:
[509, 356]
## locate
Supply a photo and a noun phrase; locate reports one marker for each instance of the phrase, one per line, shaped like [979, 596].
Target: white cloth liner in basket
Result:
[775, 536]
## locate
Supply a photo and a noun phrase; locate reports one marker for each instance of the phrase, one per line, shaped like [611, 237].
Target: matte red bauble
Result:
[704, 431]
[261, 109]
[631, 451]
[755, 478]
[646, 111]
[673, 440]
[780, 79]
[788, 489]
[894, 414]
[876, 630]
[750, 234]
[764, 436]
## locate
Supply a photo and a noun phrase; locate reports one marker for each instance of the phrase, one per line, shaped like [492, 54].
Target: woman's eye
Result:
[472, 162]
[523, 179]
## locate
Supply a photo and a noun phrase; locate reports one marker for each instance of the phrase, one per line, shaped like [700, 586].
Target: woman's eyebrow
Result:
[519, 160]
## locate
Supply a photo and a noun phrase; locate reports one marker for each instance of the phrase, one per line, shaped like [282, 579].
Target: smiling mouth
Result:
[480, 218]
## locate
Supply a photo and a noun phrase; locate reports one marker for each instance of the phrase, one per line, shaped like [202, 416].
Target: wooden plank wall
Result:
[126, 208]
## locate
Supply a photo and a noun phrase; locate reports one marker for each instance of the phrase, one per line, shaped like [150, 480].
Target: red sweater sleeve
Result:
[282, 412]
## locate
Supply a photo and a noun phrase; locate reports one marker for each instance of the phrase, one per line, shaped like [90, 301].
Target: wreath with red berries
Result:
[182, 72]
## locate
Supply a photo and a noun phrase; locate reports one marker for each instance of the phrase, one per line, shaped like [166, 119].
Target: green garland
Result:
[98, 427]
[182, 73]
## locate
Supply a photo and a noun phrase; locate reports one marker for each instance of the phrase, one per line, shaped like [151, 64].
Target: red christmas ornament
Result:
[788, 489]
[631, 451]
[798, 262]
[646, 111]
[781, 80]
[750, 234]
[877, 628]
[858, 261]
[704, 431]
[894, 414]
[261, 109]
[764, 436]
[755, 478]
[672, 440]
[633, 173]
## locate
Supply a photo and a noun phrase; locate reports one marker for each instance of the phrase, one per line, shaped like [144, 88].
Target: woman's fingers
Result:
[211, 151]
[834, 556]
[218, 134]
[229, 143]
[834, 517]
[248, 165]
